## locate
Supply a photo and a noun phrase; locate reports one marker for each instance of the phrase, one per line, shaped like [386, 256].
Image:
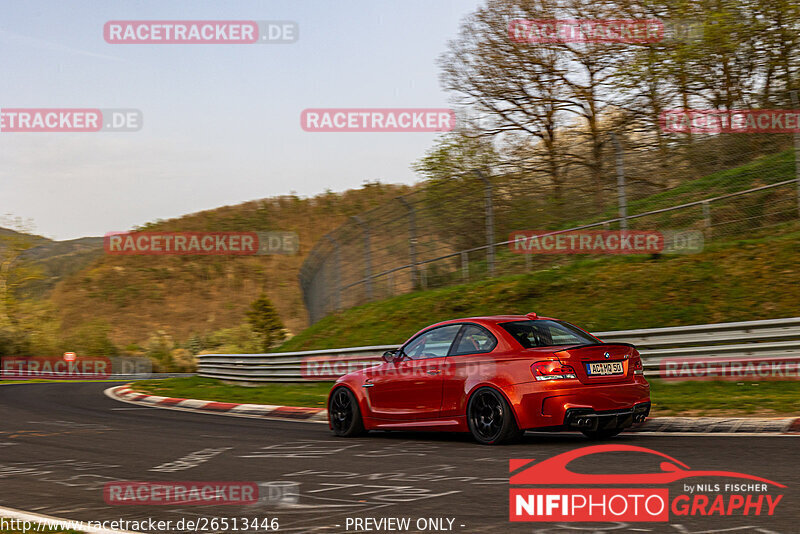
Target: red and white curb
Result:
[266, 411]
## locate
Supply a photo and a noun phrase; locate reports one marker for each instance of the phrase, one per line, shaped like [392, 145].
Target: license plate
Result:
[604, 368]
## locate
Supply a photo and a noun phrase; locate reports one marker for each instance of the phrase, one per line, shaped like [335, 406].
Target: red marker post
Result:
[69, 356]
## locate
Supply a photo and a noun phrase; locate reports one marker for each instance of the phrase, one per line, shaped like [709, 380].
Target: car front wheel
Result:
[344, 415]
[490, 418]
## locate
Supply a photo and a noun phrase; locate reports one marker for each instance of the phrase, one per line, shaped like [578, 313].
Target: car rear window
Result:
[546, 333]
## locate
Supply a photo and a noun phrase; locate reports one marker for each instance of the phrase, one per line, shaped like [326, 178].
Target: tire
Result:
[602, 434]
[490, 418]
[344, 414]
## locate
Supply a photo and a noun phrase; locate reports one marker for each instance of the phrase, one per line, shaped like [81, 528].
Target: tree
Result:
[265, 321]
[16, 271]
[514, 89]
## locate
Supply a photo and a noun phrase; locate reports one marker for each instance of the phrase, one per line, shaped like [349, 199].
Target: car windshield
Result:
[546, 333]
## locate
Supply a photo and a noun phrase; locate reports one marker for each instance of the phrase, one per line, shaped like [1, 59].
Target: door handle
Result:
[434, 372]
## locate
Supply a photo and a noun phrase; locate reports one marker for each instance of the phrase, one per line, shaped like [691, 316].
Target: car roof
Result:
[493, 319]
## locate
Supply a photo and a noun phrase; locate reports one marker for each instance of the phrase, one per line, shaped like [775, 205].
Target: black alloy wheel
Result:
[490, 418]
[344, 415]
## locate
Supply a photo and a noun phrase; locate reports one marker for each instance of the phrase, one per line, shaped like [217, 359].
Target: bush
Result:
[91, 339]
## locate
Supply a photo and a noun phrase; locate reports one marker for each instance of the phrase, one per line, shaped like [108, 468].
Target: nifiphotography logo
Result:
[615, 497]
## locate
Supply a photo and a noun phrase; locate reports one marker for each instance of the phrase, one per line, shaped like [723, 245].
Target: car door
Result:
[469, 361]
[411, 389]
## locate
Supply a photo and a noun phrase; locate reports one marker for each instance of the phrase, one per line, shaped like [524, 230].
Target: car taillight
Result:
[636, 363]
[552, 370]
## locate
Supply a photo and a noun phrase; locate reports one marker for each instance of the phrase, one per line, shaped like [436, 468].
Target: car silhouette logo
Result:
[555, 471]
[607, 355]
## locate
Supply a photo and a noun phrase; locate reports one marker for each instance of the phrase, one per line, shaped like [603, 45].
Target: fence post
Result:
[301, 278]
[707, 218]
[796, 151]
[337, 301]
[489, 209]
[367, 256]
[412, 241]
[465, 266]
[622, 200]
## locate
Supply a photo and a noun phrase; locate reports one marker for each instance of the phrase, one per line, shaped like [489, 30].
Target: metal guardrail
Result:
[775, 339]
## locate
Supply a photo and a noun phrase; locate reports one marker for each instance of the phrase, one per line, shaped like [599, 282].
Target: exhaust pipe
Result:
[584, 422]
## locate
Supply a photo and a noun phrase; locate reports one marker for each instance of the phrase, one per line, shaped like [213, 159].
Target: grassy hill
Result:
[134, 297]
[730, 281]
[60, 259]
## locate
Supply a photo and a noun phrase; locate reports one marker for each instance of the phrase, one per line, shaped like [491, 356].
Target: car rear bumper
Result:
[557, 406]
[585, 419]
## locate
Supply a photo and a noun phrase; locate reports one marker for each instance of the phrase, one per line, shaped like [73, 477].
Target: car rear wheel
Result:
[490, 418]
[344, 415]
[602, 434]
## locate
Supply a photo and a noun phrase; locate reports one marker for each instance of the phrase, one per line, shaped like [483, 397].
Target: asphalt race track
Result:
[60, 443]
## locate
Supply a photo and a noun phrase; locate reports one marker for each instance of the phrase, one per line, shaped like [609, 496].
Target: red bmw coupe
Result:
[496, 377]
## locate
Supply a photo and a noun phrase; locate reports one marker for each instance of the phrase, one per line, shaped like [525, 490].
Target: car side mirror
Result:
[392, 356]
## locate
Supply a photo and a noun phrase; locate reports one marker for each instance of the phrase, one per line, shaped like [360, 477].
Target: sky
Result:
[221, 122]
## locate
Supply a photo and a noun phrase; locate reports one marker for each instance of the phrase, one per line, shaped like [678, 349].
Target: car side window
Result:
[434, 343]
[475, 339]
[559, 335]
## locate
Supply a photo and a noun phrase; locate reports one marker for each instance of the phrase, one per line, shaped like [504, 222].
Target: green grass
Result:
[731, 281]
[725, 398]
[669, 398]
[312, 394]
[47, 381]
[769, 169]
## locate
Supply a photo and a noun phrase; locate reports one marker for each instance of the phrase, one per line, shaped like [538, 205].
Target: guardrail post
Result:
[465, 266]
[367, 256]
[622, 199]
[489, 210]
[796, 152]
[337, 301]
[412, 241]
